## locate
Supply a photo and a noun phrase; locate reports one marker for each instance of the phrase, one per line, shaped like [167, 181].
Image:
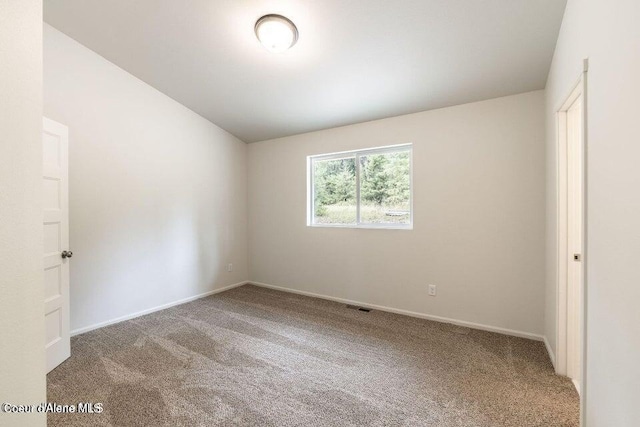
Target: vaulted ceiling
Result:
[355, 60]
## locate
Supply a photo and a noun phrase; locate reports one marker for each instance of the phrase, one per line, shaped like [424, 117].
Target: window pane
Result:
[334, 184]
[385, 194]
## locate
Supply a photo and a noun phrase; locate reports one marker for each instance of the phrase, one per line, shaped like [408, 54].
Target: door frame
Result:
[562, 259]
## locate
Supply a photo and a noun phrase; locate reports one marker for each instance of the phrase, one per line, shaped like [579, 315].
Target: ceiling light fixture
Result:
[276, 33]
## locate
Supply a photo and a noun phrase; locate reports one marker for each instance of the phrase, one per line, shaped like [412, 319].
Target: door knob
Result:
[66, 254]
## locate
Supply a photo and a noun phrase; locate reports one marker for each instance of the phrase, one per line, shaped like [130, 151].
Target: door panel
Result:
[55, 143]
[575, 238]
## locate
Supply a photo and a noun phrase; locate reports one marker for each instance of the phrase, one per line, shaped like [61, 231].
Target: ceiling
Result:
[355, 60]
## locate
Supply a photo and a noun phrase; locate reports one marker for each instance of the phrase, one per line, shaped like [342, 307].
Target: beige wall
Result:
[608, 33]
[157, 193]
[478, 217]
[22, 379]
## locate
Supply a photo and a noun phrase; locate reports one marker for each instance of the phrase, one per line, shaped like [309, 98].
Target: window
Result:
[365, 188]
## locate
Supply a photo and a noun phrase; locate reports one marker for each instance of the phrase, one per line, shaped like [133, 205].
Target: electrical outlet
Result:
[432, 290]
[229, 267]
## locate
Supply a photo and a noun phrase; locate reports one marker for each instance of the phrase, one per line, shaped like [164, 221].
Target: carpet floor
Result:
[257, 357]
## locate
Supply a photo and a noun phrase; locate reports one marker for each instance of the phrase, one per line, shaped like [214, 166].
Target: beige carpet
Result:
[257, 357]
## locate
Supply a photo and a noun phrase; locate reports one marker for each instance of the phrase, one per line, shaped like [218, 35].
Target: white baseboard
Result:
[576, 384]
[153, 309]
[464, 323]
[552, 355]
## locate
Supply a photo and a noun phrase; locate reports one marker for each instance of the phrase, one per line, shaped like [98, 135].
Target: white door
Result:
[55, 141]
[574, 239]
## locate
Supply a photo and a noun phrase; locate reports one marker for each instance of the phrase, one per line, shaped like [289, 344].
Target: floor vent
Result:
[460, 330]
[355, 307]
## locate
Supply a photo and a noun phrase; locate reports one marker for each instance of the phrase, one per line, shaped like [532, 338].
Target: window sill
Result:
[365, 226]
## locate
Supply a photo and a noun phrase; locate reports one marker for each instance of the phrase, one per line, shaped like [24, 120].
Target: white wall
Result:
[479, 216]
[608, 33]
[22, 379]
[158, 194]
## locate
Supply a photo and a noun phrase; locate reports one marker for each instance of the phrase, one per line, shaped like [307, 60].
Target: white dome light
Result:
[276, 33]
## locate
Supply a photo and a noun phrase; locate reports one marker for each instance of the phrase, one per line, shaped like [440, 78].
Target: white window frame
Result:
[357, 154]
